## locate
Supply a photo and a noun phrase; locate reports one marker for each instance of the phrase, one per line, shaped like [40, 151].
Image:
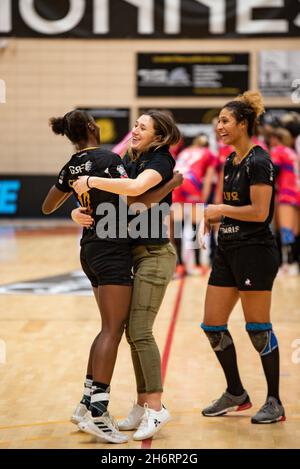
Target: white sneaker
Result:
[104, 428]
[133, 419]
[79, 413]
[152, 421]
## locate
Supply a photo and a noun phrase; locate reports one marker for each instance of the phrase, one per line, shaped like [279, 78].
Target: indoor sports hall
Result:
[115, 60]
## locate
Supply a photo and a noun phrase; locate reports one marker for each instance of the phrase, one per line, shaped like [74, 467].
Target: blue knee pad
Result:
[262, 337]
[218, 336]
[287, 236]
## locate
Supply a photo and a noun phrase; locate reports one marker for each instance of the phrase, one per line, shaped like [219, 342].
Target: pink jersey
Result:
[177, 148]
[193, 162]
[286, 160]
[121, 147]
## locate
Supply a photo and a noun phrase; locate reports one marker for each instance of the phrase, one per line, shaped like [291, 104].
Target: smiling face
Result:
[143, 133]
[228, 129]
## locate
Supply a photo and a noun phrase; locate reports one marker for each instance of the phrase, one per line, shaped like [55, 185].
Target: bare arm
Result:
[154, 196]
[257, 211]
[132, 187]
[54, 199]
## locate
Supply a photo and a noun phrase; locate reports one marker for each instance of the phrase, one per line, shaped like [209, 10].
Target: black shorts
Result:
[107, 263]
[248, 268]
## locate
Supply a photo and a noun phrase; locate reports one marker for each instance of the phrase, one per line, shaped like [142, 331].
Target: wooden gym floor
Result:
[46, 340]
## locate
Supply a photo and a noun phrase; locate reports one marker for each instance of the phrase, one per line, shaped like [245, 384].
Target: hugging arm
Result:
[54, 199]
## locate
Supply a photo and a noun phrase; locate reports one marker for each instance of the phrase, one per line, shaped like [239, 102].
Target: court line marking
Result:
[37, 424]
[146, 444]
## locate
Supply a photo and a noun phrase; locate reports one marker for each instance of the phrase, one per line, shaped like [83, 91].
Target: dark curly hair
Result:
[74, 125]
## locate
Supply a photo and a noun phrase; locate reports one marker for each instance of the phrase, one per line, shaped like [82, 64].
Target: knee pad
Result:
[287, 236]
[218, 336]
[262, 337]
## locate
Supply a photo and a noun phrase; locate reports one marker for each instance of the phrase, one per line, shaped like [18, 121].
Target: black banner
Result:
[114, 124]
[148, 19]
[22, 197]
[200, 74]
[193, 121]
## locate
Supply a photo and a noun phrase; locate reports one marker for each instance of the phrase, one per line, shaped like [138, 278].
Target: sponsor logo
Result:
[121, 170]
[9, 191]
[231, 196]
[280, 20]
[229, 229]
[84, 167]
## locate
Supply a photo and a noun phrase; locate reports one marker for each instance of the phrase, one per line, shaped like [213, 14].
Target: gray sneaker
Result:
[270, 412]
[227, 403]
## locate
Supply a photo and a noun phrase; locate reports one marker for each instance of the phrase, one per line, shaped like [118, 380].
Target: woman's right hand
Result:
[177, 179]
[79, 216]
[204, 233]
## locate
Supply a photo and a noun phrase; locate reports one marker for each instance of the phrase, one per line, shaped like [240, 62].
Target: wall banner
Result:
[148, 19]
[205, 75]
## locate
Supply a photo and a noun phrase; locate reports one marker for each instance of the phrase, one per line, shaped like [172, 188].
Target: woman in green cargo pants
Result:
[148, 164]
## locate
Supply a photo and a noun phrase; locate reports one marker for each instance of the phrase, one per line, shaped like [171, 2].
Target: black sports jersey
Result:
[255, 168]
[161, 161]
[102, 163]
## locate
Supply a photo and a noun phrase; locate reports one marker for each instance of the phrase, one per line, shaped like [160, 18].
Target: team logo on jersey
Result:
[248, 282]
[84, 167]
[231, 196]
[88, 166]
[122, 171]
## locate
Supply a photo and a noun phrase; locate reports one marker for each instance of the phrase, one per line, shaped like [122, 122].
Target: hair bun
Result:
[58, 125]
[254, 100]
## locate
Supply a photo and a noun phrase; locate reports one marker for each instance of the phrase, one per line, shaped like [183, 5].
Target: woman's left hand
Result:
[213, 211]
[80, 185]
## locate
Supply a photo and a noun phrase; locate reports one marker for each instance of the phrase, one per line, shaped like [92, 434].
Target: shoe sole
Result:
[238, 408]
[103, 438]
[282, 418]
[154, 432]
[76, 420]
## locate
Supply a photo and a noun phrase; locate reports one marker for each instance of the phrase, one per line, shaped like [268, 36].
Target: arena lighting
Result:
[245, 24]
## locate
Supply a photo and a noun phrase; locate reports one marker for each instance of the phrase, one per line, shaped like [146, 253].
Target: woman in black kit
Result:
[106, 262]
[246, 261]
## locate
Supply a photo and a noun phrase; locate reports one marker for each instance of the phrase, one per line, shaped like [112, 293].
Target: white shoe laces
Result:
[145, 418]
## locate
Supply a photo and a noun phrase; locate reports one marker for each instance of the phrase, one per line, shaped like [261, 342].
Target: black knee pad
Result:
[218, 336]
[262, 337]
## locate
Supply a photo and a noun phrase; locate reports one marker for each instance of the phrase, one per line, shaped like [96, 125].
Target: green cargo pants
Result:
[153, 267]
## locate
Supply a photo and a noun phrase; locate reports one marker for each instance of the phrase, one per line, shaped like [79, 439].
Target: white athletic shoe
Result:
[79, 413]
[134, 418]
[104, 428]
[152, 421]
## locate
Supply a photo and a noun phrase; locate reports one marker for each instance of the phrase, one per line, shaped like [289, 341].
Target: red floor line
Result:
[146, 444]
